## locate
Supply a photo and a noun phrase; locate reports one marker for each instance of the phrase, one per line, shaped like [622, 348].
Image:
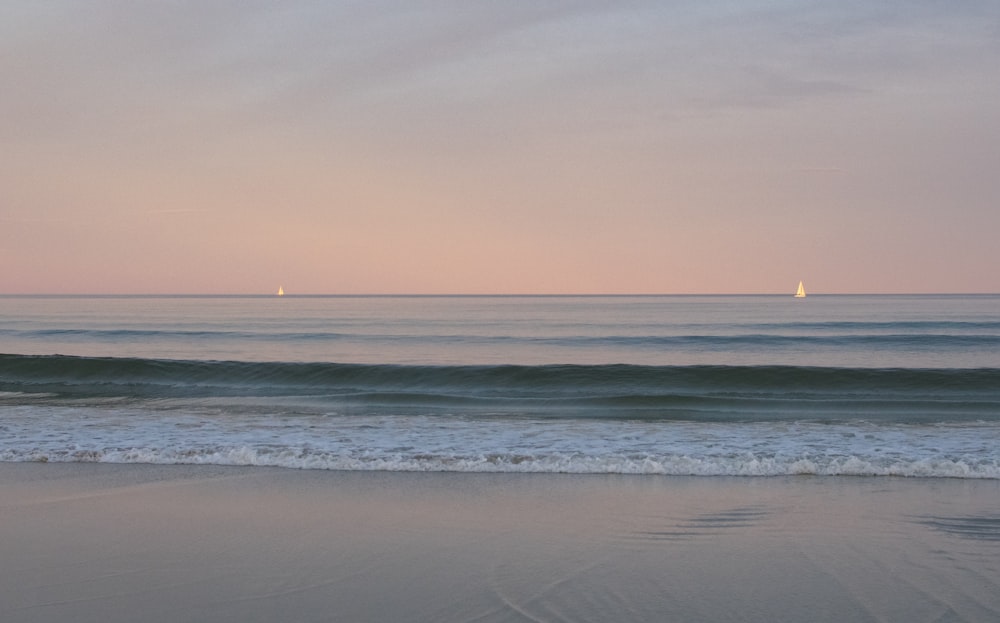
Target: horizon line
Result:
[469, 294]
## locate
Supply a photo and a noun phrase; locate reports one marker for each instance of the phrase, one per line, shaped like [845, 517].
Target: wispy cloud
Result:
[31, 219]
[172, 211]
[756, 87]
[821, 170]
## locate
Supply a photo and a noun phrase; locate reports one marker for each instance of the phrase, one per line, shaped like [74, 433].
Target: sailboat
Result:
[281, 291]
[801, 292]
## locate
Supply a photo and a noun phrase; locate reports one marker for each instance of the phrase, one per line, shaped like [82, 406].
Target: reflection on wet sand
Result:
[980, 528]
[708, 524]
[89, 542]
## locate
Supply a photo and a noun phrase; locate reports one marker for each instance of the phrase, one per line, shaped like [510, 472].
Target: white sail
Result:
[281, 291]
[801, 292]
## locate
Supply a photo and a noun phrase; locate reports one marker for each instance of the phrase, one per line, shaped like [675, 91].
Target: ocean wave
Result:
[682, 465]
[833, 335]
[608, 391]
[69, 370]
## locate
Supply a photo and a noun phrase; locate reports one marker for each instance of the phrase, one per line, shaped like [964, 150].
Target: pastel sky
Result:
[495, 146]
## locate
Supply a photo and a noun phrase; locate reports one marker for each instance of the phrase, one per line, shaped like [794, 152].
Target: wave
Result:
[894, 326]
[166, 334]
[611, 390]
[669, 465]
[870, 336]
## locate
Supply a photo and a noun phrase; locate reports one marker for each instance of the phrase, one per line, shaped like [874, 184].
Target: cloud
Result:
[31, 219]
[821, 170]
[757, 87]
[169, 211]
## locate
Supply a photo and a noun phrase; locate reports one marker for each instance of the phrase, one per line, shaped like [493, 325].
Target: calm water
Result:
[715, 385]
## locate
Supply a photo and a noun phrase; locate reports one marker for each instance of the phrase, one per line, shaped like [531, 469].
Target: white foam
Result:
[424, 443]
[569, 464]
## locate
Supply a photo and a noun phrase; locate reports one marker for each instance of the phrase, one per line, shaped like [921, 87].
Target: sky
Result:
[490, 146]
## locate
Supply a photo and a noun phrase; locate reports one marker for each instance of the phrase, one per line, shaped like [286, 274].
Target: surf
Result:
[611, 391]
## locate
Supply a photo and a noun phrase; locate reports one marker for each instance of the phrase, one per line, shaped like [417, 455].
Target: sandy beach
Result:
[101, 542]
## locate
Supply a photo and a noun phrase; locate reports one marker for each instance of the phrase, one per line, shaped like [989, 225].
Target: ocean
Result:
[887, 385]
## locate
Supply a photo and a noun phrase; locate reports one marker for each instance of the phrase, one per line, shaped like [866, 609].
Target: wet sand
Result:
[108, 543]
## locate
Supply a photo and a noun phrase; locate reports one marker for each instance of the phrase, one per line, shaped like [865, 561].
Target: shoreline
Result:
[764, 475]
[119, 542]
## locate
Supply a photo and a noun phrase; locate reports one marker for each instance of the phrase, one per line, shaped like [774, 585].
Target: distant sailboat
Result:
[801, 292]
[281, 291]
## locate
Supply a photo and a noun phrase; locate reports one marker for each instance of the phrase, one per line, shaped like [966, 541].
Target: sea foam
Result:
[508, 463]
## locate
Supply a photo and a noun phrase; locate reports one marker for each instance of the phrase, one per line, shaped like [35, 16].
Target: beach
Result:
[487, 459]
[106, 542]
